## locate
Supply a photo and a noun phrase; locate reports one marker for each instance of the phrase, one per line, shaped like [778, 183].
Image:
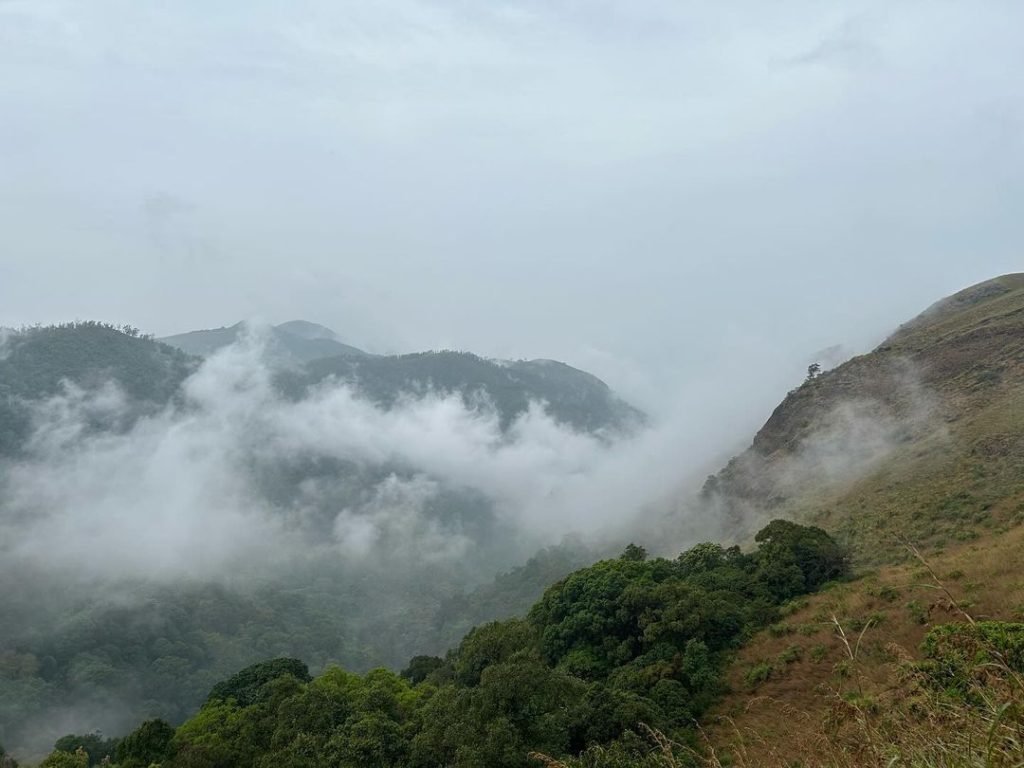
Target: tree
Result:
[58, 759]
[702, 557]
[247, 686]
[93, 744]
[798, 558]
[634, 552]
[813, 370]
[420, 667]
[149, 743]
[491, 644]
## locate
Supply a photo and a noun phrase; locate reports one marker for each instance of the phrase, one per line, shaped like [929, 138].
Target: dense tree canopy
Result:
[625, 641]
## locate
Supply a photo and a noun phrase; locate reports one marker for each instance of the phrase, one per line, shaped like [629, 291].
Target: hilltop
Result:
[889, 668]
[306, 354]
[921, 438]
[288, 345]
[38, 363]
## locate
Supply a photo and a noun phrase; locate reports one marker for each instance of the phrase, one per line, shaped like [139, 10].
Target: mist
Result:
[668, 195]
[693, 202]
[176, 495]
[113, 515]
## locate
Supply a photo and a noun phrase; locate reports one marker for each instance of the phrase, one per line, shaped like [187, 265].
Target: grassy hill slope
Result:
[923, 437]
[38, 363]
[801, 696]
[932, 506]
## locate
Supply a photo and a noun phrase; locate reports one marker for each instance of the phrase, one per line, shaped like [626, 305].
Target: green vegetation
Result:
[941, 405]
[160, 650]
[60, 759]
[148, 744]
[960, 657]
[37, 363]
[625, 641]
[246, 687]
[96, 748]
[571, 396]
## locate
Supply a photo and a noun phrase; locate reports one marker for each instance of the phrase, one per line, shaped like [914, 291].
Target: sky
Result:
[688, 199]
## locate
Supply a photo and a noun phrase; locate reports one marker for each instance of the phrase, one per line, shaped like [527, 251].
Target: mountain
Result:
[918, 661]
[288, 345]
[888, 632]
[922, 438]
[308, 354]
[39, 363]
[572, 396]
[379, 548]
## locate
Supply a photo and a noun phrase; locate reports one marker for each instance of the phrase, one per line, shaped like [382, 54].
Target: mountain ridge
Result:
[289, 344]
[942, 388]
[920, 440]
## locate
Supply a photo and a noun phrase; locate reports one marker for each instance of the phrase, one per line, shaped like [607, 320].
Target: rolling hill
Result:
[288, 345]
[307, 354]
[933, 504]
[100, 427]
[888, 633]
[921, 438]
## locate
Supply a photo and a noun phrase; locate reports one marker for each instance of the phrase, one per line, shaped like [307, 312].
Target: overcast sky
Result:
[671, 194]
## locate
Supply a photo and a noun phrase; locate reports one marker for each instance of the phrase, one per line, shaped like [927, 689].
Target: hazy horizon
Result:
[692, 201]
[668, 195]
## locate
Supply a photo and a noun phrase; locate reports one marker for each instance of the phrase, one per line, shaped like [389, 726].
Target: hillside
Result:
[831, 645]
[923, 437]
[288, 345]
[307, 354]
[129, 470]
[39, 363]
[936, 499]
[572, 396]
[627, 639]
[800, 696]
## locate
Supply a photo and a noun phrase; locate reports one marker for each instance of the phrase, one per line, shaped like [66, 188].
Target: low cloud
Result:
[822, 440]
[236, 474]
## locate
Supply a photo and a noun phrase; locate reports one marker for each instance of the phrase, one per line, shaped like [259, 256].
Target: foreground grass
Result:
[844, 681]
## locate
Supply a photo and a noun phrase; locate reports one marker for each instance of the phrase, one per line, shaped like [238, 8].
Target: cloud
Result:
[516, 178]
[848, 45]
[236, 474]
[824, 439]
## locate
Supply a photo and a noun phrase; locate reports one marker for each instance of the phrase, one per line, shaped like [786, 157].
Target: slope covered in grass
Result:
[922, 437]
[847, 678]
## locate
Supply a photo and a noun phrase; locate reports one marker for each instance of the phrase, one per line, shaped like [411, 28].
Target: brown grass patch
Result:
[826, 702]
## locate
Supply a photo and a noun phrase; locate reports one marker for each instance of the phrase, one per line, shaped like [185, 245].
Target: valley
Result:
[907, 457]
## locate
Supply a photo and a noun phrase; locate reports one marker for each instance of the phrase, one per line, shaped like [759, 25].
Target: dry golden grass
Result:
[954, 382]
[843, 690]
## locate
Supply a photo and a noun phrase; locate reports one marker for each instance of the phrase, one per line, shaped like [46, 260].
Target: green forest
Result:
[624, 645]
[80, 640]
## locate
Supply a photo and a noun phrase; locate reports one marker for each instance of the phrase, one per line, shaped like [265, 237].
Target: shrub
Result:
[758, 674]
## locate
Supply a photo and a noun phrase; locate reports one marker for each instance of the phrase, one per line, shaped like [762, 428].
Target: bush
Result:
[758, 674]
[791, 655]
[960, 656]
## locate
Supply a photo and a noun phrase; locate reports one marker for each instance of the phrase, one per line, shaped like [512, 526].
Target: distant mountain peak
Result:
[291, 344]
[874, 447]
[306, 330]
[961, 301]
